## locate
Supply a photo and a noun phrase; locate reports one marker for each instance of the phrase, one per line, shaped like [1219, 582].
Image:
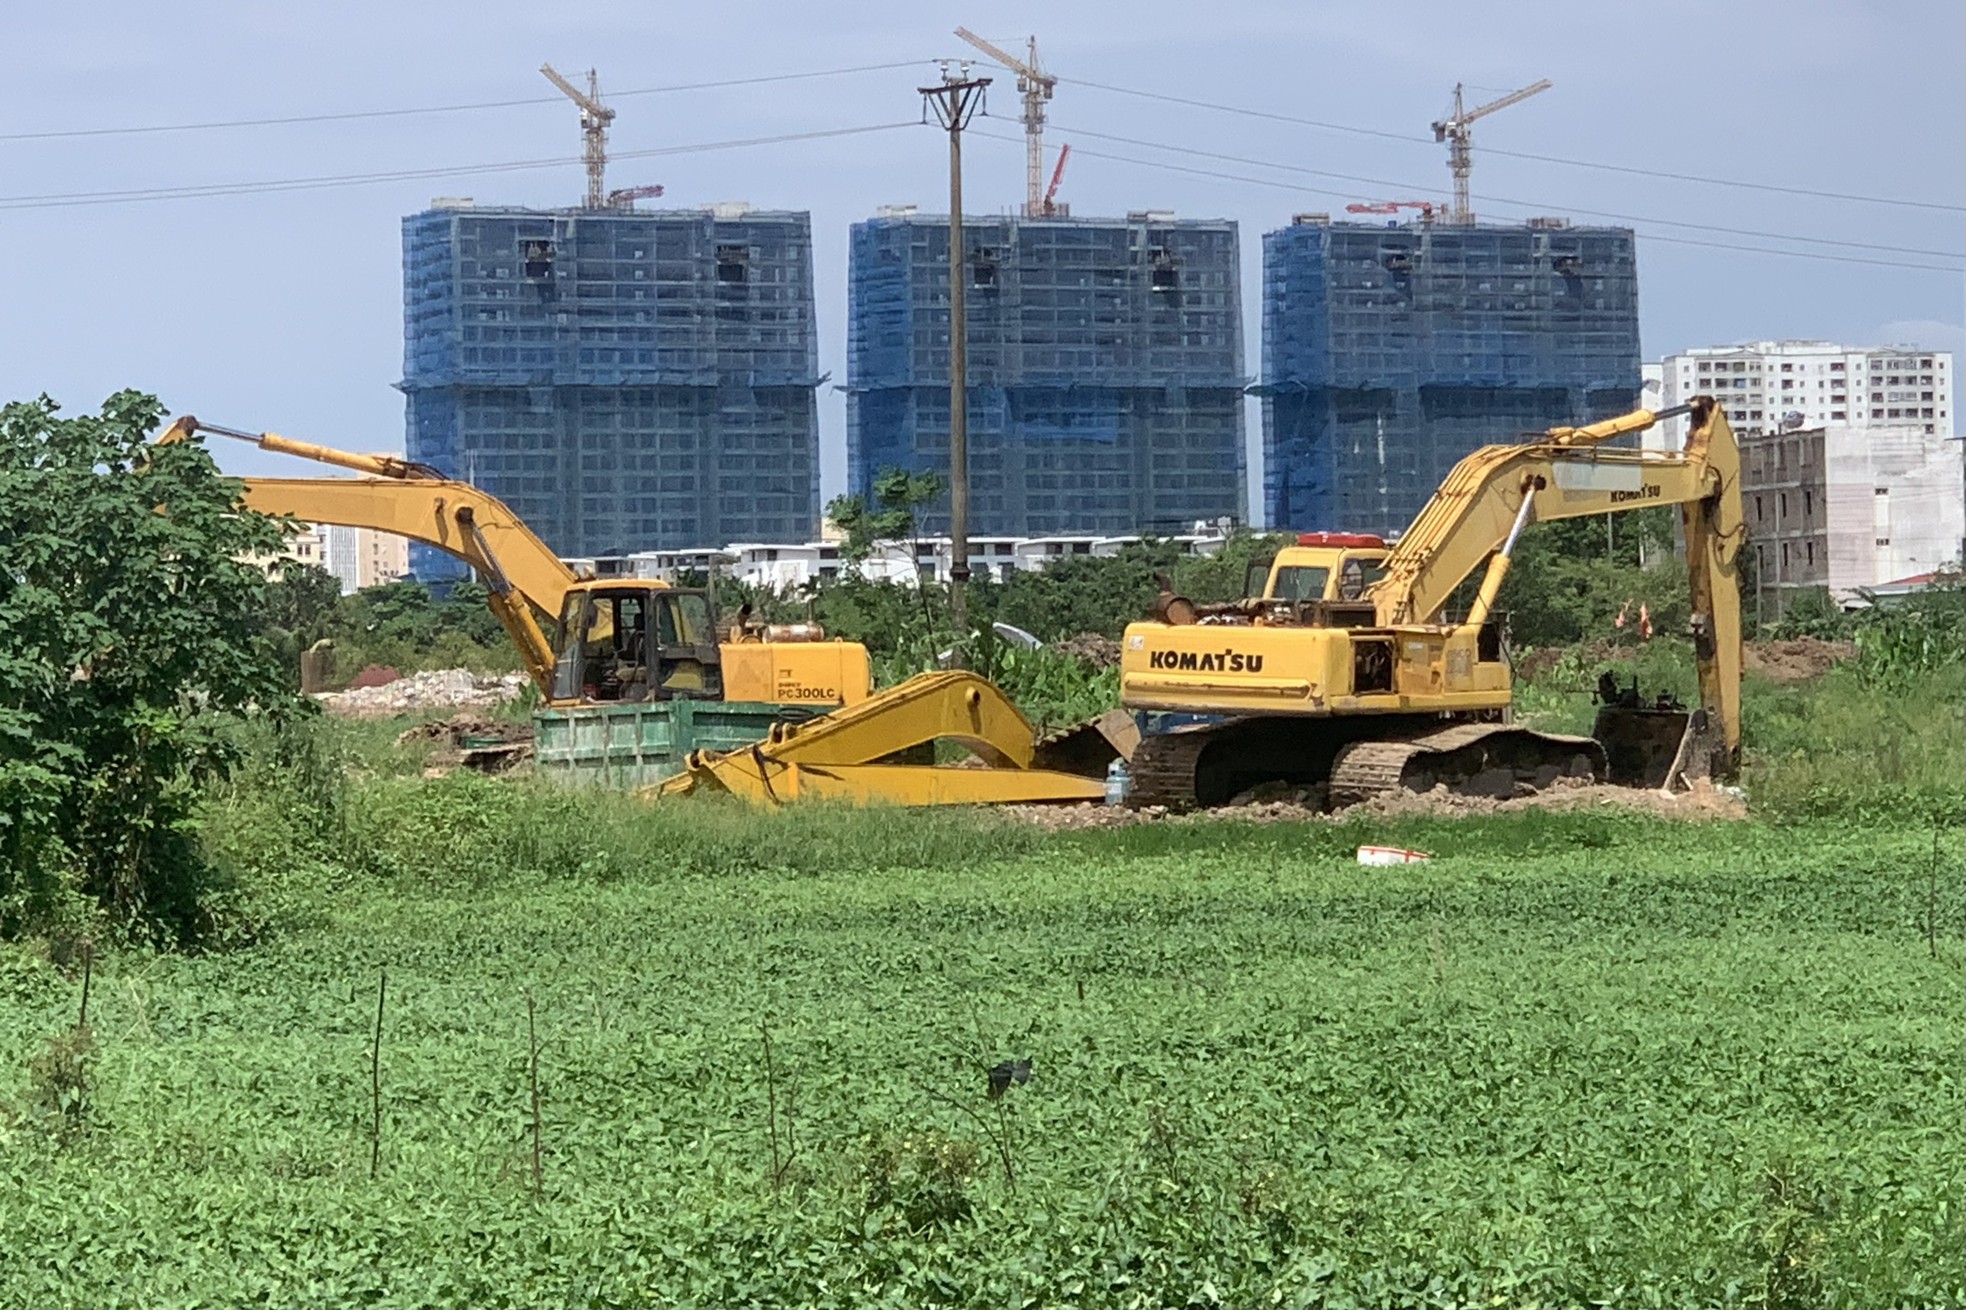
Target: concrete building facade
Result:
[1105, 368]
[1845, 508]
[1770, 385]
[1390, 351]
[622, 379]
[363, 557]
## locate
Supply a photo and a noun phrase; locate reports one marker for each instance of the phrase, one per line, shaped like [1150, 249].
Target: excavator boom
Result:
[525, 579]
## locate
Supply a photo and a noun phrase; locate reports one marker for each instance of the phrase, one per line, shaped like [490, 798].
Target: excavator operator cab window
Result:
[1256, 580]
[638, 645]
[687, 662]
[1301, 582]
[1356, 576]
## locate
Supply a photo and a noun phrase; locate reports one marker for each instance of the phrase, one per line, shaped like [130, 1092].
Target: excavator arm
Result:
[1493, 493]
[525, 579]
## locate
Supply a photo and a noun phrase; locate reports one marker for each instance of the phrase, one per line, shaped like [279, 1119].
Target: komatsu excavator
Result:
[618, 640]
[1344, 672]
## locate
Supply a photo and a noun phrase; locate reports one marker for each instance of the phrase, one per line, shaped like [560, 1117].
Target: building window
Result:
[1785, 554]
[733, 263]
[1808, 503]
[1782, 509]
[1759, 510]
[1883, 541]
[1809, 552]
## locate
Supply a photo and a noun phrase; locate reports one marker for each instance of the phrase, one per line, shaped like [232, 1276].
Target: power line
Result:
[1307, 190]
[356, 114]
[1382, 134]
[1537, 205]
[60, 200]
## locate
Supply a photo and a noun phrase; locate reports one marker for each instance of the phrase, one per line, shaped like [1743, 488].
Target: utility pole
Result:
[955, 101]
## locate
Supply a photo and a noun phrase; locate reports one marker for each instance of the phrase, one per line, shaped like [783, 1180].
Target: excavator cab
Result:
[637, 643]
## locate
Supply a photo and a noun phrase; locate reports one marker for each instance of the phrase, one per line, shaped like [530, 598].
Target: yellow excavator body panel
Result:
[1209, 669]
[797, 673]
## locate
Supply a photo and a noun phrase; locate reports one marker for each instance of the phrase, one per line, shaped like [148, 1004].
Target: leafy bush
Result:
[131, 645]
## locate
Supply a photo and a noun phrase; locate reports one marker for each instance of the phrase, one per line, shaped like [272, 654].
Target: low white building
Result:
[1767, 386]
[785, 567]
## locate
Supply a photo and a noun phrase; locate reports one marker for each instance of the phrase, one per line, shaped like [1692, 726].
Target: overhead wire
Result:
[1309, 190]
[62, 134]
[1410, 138]
[57, 200]
[1536, 205]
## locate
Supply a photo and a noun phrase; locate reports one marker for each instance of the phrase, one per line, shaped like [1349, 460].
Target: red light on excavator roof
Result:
[1361, 540]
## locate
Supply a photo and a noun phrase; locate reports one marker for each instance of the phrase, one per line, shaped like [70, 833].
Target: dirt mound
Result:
[1090, 648]
[470, 741]
[1798, 660]
[1704, 801]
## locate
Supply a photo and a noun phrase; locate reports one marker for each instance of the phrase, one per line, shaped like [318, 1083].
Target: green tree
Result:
[893, 515]
[130, 642]
[1086, 593]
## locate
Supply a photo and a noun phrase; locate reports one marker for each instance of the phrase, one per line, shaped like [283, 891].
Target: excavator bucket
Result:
[854, 754]
[1087, 748]
[1648, 747]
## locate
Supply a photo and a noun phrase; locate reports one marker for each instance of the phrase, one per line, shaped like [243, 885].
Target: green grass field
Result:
[1578, 1058]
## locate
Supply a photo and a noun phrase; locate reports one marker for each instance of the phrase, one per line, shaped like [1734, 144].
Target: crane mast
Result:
[1455, 131]
[594, 120]
[1034, 87]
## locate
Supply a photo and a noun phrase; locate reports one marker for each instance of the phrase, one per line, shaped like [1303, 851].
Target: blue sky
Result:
[282, 310]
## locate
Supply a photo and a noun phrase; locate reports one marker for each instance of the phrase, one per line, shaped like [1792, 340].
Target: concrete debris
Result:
[1090, 648]
[435, 689]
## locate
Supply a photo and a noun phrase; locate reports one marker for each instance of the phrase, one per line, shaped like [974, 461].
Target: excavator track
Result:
[1163, 767]
[1491, 759]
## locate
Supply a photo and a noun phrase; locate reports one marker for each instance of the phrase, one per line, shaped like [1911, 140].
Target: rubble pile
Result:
[435, 689]
[1090, 648]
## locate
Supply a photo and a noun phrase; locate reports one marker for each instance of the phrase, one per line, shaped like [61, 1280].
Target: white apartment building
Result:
[1770, 386]
[363, 557]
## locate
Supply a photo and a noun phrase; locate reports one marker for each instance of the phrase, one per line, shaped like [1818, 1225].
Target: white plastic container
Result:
[1119, 783]
[1390, 855]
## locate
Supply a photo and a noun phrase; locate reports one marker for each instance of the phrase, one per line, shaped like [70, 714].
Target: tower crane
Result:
[1454, 130]
[594, 120]
[1034, 85]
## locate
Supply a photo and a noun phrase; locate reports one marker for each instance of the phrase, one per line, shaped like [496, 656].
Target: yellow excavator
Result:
[1343, 672]
[616, 640]
[636, 677]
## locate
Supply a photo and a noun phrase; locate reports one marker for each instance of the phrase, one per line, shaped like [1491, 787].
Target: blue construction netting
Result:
[624, 380]
[1391, 352]
[1105, 368]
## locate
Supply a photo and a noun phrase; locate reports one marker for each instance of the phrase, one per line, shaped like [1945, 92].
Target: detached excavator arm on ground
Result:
[1496, 491]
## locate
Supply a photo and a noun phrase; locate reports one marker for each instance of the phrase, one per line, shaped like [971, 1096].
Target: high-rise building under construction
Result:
[1105, 368]
[1390, 351]
[623, 380]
